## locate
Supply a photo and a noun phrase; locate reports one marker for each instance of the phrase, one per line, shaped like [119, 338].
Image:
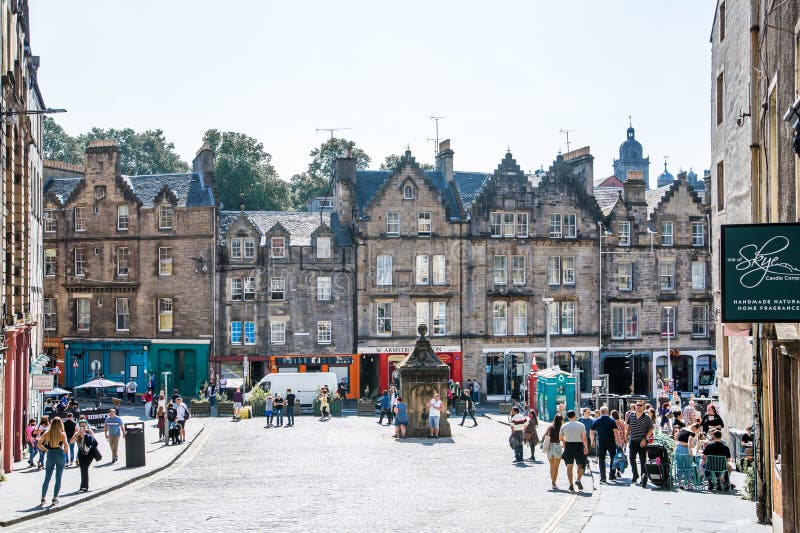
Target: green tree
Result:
[147, 152]
[316, 180]
[58, 145]
[391, 161]
[244, 173]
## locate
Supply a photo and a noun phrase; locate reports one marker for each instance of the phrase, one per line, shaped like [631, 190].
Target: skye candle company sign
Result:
[760, 273]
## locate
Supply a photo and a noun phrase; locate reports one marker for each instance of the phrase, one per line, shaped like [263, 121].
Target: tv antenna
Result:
[566, 132]
[331, 130]
[436, 120]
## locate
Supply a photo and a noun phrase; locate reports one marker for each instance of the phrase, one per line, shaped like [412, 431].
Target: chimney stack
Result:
[102, 158]
[444, 161]
[344, 190]
[633, 188]
[707, 187]
[203, 164]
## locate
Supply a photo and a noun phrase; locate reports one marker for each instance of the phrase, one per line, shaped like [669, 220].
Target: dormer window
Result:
[277, 247]
[408, 192]
[236, 248]
[323, 247]
[249, 247]
[165, 216]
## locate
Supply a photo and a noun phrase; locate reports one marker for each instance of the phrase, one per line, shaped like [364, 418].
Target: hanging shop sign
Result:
[760, 266]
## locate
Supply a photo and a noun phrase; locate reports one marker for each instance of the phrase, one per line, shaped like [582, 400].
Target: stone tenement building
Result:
[129, 266]
[21, 219]
[476, 255]
[285, 290]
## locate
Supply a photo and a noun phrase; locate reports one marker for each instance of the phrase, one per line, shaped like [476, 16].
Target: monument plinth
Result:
[423, 374]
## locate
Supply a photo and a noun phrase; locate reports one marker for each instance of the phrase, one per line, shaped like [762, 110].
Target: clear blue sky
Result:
[509, 73]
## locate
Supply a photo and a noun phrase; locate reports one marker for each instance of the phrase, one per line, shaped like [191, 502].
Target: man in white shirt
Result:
[131, 388]
[434, 412]
[517, 421]
[690, 414]
[576, 447]
[476, 393]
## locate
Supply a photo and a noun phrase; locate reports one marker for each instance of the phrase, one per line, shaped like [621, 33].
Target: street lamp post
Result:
[668, 309]
[165, 380]
[547, 302]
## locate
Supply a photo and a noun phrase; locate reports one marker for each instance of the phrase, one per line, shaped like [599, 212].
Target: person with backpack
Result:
[160, 424]
[182, 416]
[69, 429]
[605, 436]
[87, 451]
[172, 417]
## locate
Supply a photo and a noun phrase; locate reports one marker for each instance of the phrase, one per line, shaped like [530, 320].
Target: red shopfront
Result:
[15, 393]
[386, 358]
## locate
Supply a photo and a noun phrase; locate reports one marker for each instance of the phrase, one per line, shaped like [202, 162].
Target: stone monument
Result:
[423, 374]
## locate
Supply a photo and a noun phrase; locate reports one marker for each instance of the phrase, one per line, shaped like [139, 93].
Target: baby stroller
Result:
[658, 467]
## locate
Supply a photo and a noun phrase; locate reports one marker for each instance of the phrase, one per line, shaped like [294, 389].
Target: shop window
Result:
[583, 361]
[116, 363]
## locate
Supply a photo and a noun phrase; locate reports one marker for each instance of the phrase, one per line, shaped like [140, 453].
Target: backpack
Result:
[172, 414]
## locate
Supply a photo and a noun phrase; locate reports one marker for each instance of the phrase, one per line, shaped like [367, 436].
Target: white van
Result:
[304, 385]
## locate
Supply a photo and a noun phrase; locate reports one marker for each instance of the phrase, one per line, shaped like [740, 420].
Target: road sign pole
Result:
[165, 380]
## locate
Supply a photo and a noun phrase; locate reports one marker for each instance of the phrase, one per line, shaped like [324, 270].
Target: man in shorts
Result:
[434, 412]
[576, 448]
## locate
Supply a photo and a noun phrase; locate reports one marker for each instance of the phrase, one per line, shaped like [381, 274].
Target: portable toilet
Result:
[553, 387]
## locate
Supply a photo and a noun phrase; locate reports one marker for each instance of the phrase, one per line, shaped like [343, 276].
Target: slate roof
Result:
[606, 198]
[300, 224]
[469, 185]
[653, 197]
[61, 187]
[187, 187]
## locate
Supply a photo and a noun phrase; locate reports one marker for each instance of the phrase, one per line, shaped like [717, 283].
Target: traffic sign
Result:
[74, 362]
[56, 370]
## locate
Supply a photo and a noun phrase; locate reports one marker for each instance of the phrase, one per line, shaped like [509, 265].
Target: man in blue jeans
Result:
[604, 439]
[290, 399]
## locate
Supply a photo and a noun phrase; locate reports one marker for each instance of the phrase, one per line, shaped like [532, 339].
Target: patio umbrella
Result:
[55, 392]
[100, 384]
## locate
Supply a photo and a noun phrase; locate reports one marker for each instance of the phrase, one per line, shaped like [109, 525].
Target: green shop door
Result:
[186, 371]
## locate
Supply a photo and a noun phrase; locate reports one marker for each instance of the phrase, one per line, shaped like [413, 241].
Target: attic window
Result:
[99, 192]
[165, 216]
[323, 247]
[408, 192]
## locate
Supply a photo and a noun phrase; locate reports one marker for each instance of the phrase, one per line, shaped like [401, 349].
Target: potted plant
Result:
[224, 406]
[200, 406]
[365, 407]
[256, 400]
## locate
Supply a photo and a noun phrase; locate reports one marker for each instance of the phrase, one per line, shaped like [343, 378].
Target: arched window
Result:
[408, 192]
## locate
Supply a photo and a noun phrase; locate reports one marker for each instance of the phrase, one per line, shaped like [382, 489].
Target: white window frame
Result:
[49, 314]
[568, 270]
[383, 271]
[277, 285]
[236, 248]
[383, 319]
[236, 332]
[122, 310]
[439, 319]
[500, 268]
[554, 318]
[439, 270]
[80, 262]
[249, 292]
[509, 224]
[622, 316]
[666, 276]
[667, 233]
[50, 221]
[324, 332]
[122, 218]
[277, 332]
[699, 324]
[50, 262]
[522, 225]
[554, 270]
[324, 288]
[424, 220]
[249, 333]
[518, 269]
[496, 224]
[422, 270]
[570, 226]
[249, 248]
[237, 289]
[166, 216]
[277, 247]
[624, 229]
[672, 317]
[408, 192]
[166, 313]
[323, 247]
[123, 261]
[519, 317]
[698, 275]
[499, 318]
[422, 314]
[625, 276]
[555, 228]
[83, 314]
[164, 261]
[698, 234]
[393, 224]
[80, 218]
[567, 318]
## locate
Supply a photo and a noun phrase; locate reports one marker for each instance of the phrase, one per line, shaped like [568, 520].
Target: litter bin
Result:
[134, 444]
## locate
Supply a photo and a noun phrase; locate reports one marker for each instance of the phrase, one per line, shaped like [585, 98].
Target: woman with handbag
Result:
[87, 452]
[551, 445]
[530, 435]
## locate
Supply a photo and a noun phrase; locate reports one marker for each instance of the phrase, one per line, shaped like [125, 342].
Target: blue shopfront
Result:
[115, 360]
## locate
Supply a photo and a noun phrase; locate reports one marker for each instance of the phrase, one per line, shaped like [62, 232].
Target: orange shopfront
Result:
[378, 364]
[343, 365]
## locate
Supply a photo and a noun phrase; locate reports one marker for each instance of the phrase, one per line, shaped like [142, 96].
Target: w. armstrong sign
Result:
[760, 266]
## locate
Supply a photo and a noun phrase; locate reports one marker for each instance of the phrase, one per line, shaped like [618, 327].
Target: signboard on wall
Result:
[42, 382]
[760, 272]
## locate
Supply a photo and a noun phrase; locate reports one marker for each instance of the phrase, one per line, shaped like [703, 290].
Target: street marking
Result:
[551, 524]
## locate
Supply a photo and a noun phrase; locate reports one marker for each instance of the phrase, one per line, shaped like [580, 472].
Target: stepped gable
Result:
[507, 171]
[658, 197]
[563, 174]
[60, 190]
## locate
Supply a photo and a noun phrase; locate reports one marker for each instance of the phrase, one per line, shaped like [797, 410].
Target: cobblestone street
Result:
[347, 474]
